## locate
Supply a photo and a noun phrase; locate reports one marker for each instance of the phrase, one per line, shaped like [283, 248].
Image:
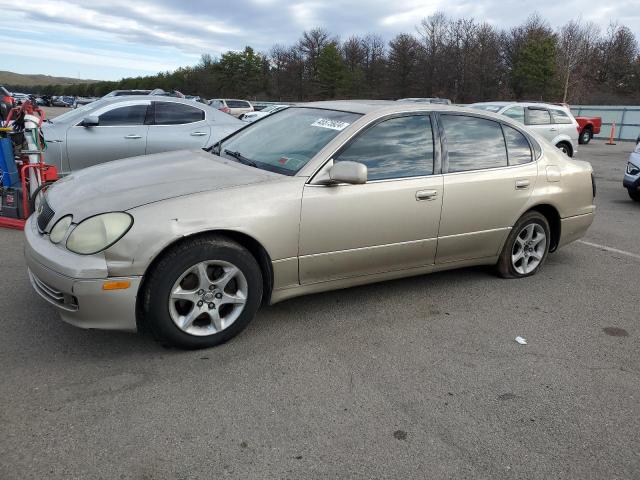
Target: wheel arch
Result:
[566, 142]
[553, 218]
[247, 241]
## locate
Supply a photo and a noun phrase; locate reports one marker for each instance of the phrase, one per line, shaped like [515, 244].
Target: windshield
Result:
[488, 106]
[285, 141]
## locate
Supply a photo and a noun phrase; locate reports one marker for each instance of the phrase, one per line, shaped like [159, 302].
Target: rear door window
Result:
[395, 148]
[124, 116]
[473, 143]
[171, 113]
[537, 116]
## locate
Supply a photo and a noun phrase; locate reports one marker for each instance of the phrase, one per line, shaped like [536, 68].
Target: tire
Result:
[534, 257]
[565, 148]
[33, 199]
[634, 195]
[585, 136]
[178, 275]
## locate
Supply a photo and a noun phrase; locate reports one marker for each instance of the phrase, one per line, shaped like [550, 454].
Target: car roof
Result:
[365, 107]
[523, 104]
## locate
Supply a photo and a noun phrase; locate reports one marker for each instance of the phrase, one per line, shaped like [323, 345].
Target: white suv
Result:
[553, 122]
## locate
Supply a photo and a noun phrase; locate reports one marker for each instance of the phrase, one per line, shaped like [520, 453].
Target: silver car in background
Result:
[128, 126]
[553, 122]
[253, 116]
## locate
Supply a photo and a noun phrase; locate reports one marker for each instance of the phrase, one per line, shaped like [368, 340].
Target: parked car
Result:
[6, 102]
[19, 98]
[312, 198]
[124, 93]
[232, 107]
[253, 116]
[127, 126]
[631, 179]
[553, 122]
[434, 100]
[62, 101]
[589, 126]
[81, 101]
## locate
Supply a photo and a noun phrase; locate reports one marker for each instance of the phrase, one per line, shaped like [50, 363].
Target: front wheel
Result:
[526, 248]
[634, 194]
[202, 292]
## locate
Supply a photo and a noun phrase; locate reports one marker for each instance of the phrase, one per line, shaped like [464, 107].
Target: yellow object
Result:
[116, 285]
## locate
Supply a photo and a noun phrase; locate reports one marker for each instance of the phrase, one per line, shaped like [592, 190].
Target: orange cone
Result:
[613, 133]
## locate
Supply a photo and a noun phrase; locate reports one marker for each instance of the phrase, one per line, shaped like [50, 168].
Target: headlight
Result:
[59, 230]
[98, 233]
[632, 169]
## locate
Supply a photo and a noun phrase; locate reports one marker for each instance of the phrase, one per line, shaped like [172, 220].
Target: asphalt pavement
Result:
[414, 378]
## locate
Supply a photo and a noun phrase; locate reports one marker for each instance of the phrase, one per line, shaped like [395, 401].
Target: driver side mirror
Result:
[348, 172]
[90, 121]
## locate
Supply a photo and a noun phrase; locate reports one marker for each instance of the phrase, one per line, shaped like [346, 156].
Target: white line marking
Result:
[611, 249]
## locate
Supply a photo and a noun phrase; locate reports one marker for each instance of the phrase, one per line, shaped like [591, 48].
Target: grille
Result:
[45, 214]
[52, 295]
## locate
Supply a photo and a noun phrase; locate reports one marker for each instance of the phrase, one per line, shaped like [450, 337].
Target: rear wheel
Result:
[634, 194]
[586, 135]
[526, 248]
[203, 292]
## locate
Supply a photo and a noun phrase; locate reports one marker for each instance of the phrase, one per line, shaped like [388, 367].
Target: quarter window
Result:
[170, 113]
[517, 146]
[395, 148]
[473, 143]
[538, 116]
[124, 116]
[560, 116]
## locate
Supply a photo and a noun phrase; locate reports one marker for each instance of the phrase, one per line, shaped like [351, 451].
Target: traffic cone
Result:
[613, 133]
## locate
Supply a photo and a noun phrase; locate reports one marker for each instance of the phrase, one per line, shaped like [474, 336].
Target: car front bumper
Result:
[74, 285]
[632, 182]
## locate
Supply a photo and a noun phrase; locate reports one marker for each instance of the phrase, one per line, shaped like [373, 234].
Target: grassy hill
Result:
[11, 78]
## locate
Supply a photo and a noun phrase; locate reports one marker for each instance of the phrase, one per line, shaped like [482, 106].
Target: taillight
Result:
[578, 128]
[225, 109]
[7, 99]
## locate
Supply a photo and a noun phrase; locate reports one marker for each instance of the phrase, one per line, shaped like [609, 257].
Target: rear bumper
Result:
[80, 301]
[573, 228]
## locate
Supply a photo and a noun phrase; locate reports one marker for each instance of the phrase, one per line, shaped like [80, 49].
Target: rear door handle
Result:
[132, 137]
[198, 134]
[522, 184]
[426, 194]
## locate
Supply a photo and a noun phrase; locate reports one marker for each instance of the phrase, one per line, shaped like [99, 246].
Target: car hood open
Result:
[128, 183]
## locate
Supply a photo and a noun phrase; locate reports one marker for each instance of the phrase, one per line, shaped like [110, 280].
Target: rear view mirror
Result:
[90, 121]
[348, 172]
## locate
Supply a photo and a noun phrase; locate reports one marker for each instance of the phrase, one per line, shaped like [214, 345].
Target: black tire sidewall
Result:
[505, 265]
[634, 195]
[585, 136]
[167, 272]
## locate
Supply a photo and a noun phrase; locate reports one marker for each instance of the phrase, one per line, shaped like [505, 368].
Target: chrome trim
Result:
[474, 233]
[371, 247]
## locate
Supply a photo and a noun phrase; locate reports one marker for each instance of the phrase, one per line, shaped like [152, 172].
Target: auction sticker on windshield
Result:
[331, 124]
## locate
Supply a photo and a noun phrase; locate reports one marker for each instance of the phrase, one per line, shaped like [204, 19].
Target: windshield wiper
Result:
[241, 158]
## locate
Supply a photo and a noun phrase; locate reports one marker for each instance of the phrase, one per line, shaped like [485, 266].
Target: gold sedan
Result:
[315, 197]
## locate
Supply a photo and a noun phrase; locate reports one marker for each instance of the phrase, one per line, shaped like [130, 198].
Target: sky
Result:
[108, 40]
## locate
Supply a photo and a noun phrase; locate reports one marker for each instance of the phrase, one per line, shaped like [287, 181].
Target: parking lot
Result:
[414, 378]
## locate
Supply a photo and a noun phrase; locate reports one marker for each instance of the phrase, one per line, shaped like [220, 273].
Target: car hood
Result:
[128, 183]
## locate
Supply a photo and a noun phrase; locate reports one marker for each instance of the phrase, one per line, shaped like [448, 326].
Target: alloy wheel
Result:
[529, 248]
[208, 297]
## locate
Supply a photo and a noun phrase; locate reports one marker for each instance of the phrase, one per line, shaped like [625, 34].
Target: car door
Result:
[489, 174]
[177, 126]
[390, 222]
[539, 120]
[565, 124]
[121, 132]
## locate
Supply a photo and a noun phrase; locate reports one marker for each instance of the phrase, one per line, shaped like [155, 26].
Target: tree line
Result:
[460, 59]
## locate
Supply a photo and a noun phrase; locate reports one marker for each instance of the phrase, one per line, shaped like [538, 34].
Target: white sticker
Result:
[331, 124]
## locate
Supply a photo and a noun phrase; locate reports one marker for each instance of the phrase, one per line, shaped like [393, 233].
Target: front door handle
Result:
[132, 137]
[426, 194]
[198, 134]
[522, 184]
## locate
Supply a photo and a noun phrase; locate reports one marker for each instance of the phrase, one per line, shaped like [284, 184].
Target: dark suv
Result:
[6, 102]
